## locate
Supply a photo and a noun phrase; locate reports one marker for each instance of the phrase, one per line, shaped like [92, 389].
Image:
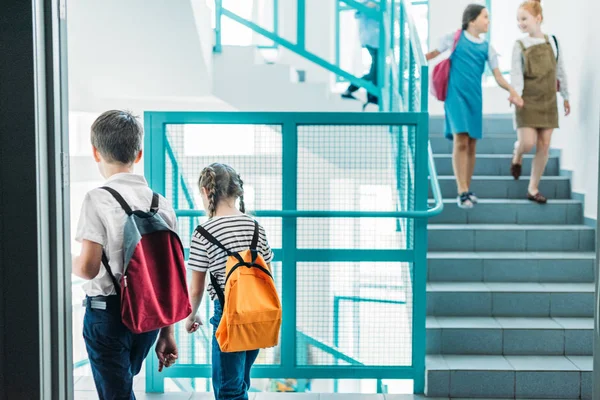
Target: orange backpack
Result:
[251, 308]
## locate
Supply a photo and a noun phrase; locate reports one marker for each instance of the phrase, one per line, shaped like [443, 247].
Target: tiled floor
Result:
[91, 395]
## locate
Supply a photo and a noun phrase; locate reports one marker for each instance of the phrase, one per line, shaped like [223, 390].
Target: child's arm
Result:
[432, 54]
[514, 98]
[166, 348]
[196, 293]
[561, 77]
[87, 264]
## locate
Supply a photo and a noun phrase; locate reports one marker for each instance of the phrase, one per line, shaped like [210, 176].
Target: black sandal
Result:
[538, 198]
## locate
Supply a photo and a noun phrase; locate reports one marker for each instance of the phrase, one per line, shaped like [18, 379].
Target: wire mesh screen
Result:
[348, 313]
[356, 313]
[255, 152]
[351, 168]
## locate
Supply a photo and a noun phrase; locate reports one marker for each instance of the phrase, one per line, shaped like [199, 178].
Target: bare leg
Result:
[460, 161]
[541, 159]
[471, 152]
[527, 139]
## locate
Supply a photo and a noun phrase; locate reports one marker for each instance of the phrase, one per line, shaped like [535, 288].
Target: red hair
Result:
[534, 7]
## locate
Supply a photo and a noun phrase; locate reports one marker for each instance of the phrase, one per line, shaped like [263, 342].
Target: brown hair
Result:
[117, 134]
[471, 13]
[221, 182]
[533, 7]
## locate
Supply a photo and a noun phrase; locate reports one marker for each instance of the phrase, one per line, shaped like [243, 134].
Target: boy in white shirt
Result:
[115, 353]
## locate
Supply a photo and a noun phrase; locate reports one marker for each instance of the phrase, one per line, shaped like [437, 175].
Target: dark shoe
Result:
[464, 201]
[538, 198]
[515, 171]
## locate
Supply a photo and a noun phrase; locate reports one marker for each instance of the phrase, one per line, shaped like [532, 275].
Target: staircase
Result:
[270, 86]
[510, 283]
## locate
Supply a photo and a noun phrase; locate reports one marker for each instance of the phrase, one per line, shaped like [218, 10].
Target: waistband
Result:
[102, 302]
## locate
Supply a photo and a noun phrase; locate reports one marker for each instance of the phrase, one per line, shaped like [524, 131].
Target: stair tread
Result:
[510, 287]
[582, 255]
[512, 201]
[492, 155]
[517, 227]
[529, 323]
[509, 363]
[506, 178]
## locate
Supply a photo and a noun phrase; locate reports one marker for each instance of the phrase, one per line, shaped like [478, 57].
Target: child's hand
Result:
[166, 351]
[567, 108]
[516, 99]
[192, 323]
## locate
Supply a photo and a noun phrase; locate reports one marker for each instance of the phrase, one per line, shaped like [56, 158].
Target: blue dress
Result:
[464, 101]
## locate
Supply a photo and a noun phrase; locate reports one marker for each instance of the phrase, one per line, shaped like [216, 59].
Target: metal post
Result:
[420, 248]
[301, 24]
[289, 232]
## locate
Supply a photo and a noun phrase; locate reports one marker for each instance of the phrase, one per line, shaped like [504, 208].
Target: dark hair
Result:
[221, 182]
[118, 136]
[471, 13]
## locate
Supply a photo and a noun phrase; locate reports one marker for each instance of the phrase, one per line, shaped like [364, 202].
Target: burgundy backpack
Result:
[153, 287]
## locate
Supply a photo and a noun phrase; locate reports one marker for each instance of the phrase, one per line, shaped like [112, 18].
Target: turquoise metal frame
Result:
[156, 146]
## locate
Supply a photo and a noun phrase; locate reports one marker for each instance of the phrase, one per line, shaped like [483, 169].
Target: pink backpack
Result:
[441, 74]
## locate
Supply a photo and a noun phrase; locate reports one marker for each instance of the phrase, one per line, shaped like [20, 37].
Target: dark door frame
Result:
[35, 277]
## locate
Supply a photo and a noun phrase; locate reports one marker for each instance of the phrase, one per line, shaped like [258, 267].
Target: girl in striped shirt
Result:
[221, 187]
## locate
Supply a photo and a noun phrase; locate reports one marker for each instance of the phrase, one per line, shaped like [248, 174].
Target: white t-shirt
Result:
[235, 232]
[447, 42]
[102, 221]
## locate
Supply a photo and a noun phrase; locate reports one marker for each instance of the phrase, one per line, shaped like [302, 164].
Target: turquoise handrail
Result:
[300, 46]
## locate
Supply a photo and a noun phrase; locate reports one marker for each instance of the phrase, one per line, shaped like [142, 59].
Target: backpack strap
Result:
[556, 44]
[154, 205]
[112, 276]
[119, 199]
[213, 279]
[456, 39]
[522, 45]
[254, 243]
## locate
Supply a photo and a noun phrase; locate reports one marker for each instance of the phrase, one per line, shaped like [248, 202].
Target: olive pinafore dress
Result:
[539, 93]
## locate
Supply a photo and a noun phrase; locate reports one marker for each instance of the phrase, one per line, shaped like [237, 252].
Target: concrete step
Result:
[510, 238]
[552, 267]
[490, 144]
[510, 299]
[499, 211]
[510, 336]
[492, 125]
[495, 164]
[539, 377]
[505, 187]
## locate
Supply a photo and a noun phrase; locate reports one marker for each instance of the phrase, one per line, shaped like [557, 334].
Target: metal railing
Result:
[165, 133]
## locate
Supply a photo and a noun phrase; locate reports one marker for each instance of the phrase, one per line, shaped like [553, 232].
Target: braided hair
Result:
[221, 182]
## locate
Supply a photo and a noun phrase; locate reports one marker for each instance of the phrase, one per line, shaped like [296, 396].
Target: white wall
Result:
[138, 50]
[575, 26]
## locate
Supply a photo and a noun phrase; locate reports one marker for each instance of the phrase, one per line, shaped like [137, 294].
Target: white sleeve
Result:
[265, 249]
[90, 226]
[492, 58]
[561, 73]
[516, 71]
[198, 260]
[446, 43]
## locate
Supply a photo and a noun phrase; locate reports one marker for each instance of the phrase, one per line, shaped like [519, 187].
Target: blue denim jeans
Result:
[230, 371]
[115, 353]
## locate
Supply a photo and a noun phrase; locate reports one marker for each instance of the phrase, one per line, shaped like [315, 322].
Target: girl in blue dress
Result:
[464, 104]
